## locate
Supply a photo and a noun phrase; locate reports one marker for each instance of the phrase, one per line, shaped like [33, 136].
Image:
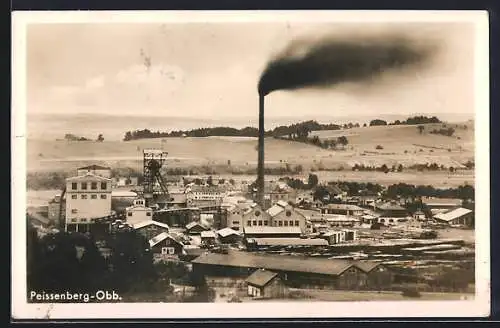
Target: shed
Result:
[208, 237]
[195, 228]
[228, 236]
[263, 283]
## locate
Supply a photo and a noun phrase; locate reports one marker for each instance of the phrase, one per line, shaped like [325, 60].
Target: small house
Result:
[265, 284]
[228, 236]
[195, 228]
[460, 216]
[165, 244]
[150, 228]
[334, 237]
[138, 212]
[208, 237]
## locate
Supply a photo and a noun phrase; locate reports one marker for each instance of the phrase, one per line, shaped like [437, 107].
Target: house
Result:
[195, 228]
[228, 236]
[245, 214]
[272, 232]
[149, 228]
[204, 196]
[265, 284]
[284, 215]
[87, 197]
[342, 209]
[419, 215]
[295, 271]
[369, 219]
[138, 212]
[208, 237]
[460, 217]
[334, 237]
[165, 244]
[99, 170]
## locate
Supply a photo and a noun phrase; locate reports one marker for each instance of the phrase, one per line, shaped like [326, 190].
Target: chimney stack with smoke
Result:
[330, 61]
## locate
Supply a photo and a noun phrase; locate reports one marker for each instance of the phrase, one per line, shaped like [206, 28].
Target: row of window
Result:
[93, 185]
[132, 213]
[81, 220]
[84, 196]
[280, 223]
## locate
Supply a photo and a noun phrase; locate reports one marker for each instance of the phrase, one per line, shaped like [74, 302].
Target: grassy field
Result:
[401, 145]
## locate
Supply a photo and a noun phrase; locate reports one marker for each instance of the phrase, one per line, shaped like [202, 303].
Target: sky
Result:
[211, 70]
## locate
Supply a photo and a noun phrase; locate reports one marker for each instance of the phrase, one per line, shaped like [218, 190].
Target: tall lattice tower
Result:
[153, 185]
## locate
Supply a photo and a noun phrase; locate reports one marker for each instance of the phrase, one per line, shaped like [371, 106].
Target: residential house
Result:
[228, 236]
[204, 196]
[99, 170]
[457, 217]
[165, 245]
[265, 284]
[195, 228]
[149, 228]
[208, 237]
[88, 197]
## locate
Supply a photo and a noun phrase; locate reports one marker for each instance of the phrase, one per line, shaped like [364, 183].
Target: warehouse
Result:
[297, 271]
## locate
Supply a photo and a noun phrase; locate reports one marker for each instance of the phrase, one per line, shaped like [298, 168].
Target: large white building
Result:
[138, 212]
[87, 197]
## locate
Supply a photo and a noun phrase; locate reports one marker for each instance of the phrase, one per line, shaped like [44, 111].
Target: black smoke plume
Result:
[330, 61]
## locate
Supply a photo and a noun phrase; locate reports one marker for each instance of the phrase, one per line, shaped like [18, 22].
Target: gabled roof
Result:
[94, 167]
[193, 224]
[227, 232]
[88, 175]
[346, 207]
[275, 210]
[451, 215]
[276, 262]
[161, 237]
[146, 223]
[366, 266]
[390, 206]
[261, 278]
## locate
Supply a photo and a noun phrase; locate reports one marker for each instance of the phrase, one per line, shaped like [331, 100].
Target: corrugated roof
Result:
[442, 201]
[451, 215]
[272, 230]
[273, 262]
[261, 277]
[290, 242]
[193, 224]
[344, 207]
[143, 224]
[161, 237]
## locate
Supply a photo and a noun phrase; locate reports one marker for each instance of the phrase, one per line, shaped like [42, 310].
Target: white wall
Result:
[85, 204]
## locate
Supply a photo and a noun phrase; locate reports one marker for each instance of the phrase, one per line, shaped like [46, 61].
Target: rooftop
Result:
[87, 176]
[442, 201]
[343, 207]
[451, 215]
[227, 232]
[191, 225]
[143, 224]
[208, 234]
[390, 206]
[161, 237]
[261, 277]
[272, 230]
[278, 262]
[94, 167]
[289, 242]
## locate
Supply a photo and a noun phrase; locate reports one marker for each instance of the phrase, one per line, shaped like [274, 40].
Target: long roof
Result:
[146, 223]
[272, 230]
[261, 277]
[390, 206]
[208, 234]
[227, 232]
[290, 242]
[442, 201]
[343, 207]
[94, 167]
[161, 237]
[278, 262]
[451, 215]
[88, 175]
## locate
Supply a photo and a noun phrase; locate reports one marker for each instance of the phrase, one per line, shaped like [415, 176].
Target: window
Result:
[260, 222]
[104, 185]
[103, 197]
[84, 185]
[249, 223]
[93, 196]
[291, 223]
[280, 223]
[167, 250]
[288, 213]
[257, 213]
[74, 196]
[93, 185]
[148, 213]
[74, 186]
[236, 222]
[265, 223]
[286, 223]
[73, 220]
[297, 223]
[74, 211]
[83, 196]
[254, 222]
[129, 213]
[84, 220]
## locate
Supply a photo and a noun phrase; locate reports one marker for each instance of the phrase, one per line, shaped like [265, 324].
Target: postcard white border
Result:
[480, 306]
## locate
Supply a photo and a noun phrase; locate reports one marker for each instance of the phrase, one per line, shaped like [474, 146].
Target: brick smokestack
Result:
[260, 161]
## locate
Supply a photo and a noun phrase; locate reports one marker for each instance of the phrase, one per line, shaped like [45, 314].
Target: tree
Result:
[210, 181]
[100, 138]
[364, 125]
[377, 122]
[343, 141]
[420, 129]
[312, 181]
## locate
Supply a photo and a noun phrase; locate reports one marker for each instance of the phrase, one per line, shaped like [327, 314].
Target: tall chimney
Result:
[260, 162]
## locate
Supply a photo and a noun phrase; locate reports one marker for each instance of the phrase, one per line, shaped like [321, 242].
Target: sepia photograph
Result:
[304, 164]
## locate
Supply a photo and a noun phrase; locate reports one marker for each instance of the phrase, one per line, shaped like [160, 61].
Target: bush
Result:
[411, 292]
[379, 147]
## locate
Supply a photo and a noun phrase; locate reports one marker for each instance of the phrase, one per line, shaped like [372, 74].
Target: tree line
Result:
[409, 121]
